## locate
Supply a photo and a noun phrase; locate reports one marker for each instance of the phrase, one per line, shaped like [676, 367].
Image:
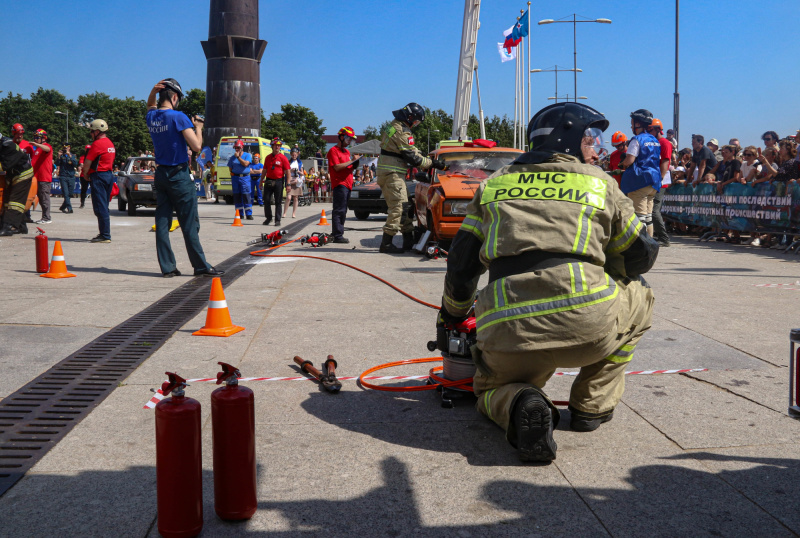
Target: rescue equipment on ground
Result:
[233, 421]
[271, 239]
[236, 220]
[455, 341]
[41, 251]
[327, 377]
[317, 239]
[323, 221]
[218, 318]
[179, 474]
[794, 374]
[58, 265]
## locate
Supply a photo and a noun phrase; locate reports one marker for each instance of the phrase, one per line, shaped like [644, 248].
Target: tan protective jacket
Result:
[398, 151]
[562, 207]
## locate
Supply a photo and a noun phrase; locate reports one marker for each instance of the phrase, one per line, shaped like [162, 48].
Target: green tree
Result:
[126, 122]
[193, 102]
[296, 124]
[371, 133]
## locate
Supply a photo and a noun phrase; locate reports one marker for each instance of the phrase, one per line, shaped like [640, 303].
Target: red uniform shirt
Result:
[102, 154]
[613, 164]
[666, 150]
[26, 146]
[276, 165]
[338, 155]
[42, 163]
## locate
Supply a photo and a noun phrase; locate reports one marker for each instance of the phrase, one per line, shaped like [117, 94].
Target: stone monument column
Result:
[233, 84]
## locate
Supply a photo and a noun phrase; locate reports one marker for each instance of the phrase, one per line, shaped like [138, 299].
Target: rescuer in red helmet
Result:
[341, 167]
[42, 162]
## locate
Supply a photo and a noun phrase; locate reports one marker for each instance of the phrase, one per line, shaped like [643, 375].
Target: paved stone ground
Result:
[710, 453]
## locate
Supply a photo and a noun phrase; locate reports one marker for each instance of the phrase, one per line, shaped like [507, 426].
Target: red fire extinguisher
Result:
[233, 420]
[42, 259]
[178, 462]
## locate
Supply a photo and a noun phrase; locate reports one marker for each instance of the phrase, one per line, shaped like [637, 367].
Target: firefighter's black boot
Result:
[581, 423]
[533, 422]
[7, 230]
[387, 247]
[408, 241]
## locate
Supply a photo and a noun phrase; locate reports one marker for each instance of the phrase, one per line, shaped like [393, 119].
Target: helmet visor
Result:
[593, 137]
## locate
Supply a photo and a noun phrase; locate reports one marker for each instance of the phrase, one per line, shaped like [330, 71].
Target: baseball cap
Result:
[713, 141]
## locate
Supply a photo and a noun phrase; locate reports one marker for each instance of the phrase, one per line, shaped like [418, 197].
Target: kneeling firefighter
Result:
[398, 153]
[16, 164]
[564, 250]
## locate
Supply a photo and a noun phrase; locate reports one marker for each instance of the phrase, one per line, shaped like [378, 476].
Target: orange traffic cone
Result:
[236, 220]
[58, 267]
[322, 220]
[218, 319]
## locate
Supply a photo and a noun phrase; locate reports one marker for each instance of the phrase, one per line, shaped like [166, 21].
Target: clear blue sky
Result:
[353, 62]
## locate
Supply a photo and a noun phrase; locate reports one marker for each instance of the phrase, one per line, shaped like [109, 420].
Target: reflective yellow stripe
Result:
[15, 206]
[494, 224]
[559, 186]
[460, 305]
[624, 239]
[486, 401]
[571, 278]
[622, 355]
[550, 305]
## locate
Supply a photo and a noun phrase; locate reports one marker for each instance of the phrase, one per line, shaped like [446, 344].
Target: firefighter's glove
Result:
[439, 164]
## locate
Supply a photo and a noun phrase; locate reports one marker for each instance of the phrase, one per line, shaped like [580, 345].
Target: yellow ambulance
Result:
[222, 174]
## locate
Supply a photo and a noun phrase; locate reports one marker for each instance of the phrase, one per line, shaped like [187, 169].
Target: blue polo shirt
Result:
[166, 129]
[255, 169]
[236, 167]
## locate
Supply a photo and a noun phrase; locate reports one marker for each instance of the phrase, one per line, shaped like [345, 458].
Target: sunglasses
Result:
[767, 139]
[749, 154]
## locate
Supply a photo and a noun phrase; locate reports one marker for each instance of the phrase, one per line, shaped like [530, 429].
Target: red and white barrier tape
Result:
[158, 396]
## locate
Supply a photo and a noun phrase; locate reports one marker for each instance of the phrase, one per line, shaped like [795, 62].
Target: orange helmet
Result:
[657, 123]
[618, 138]
[347, 131]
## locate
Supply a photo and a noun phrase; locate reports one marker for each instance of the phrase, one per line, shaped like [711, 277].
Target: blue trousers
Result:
[101, 191]
[256, 190]
[178, 194]
[67, 187]
[241, 194]
[341, 195]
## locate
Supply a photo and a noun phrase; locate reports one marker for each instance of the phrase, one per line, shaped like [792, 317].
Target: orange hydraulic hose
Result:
[440, 382]
[259, 253]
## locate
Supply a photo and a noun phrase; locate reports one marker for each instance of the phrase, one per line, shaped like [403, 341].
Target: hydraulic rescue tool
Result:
[271, 239]
[327, 377]
[42, 258]
[179, 479]
[455, 341]
[233, 423]
[434, 251]
[317, 239]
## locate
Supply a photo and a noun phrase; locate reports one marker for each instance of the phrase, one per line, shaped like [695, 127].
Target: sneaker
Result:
[249, 217]
[341, 240]
[99, 239]
[755, 242]
[585, 424]
[208, 272]
[44, 221]
[534, 424]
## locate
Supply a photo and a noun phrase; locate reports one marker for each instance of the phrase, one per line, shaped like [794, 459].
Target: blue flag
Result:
[521, 28]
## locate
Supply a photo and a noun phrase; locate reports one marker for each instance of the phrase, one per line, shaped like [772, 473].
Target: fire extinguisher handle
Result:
[175, 384]
[229, 374]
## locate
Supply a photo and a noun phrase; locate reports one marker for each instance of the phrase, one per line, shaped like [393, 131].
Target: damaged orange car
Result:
[441, 198]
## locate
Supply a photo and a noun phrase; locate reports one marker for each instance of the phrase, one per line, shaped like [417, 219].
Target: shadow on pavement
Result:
[652, 500]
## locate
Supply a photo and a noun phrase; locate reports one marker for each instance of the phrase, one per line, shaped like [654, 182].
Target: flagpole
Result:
[516, 80]
[530, 113]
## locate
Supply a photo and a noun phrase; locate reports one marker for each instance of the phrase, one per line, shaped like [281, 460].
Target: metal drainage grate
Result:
[37, 416]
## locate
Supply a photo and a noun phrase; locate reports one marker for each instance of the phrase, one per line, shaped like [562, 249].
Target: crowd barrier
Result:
[768, 207]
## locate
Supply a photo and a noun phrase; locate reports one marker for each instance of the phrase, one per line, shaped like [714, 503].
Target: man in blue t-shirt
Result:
[641, 179]
[239, 165]
[255, 175]
[171, 132]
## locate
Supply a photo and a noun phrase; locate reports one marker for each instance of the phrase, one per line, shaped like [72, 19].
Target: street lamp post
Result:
[676, 106]
[429, 138]
[67, 121]
[575, 22]
[555, 70]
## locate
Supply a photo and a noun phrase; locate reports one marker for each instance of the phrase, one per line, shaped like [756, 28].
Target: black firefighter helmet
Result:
[561, 128]
[412, 114]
